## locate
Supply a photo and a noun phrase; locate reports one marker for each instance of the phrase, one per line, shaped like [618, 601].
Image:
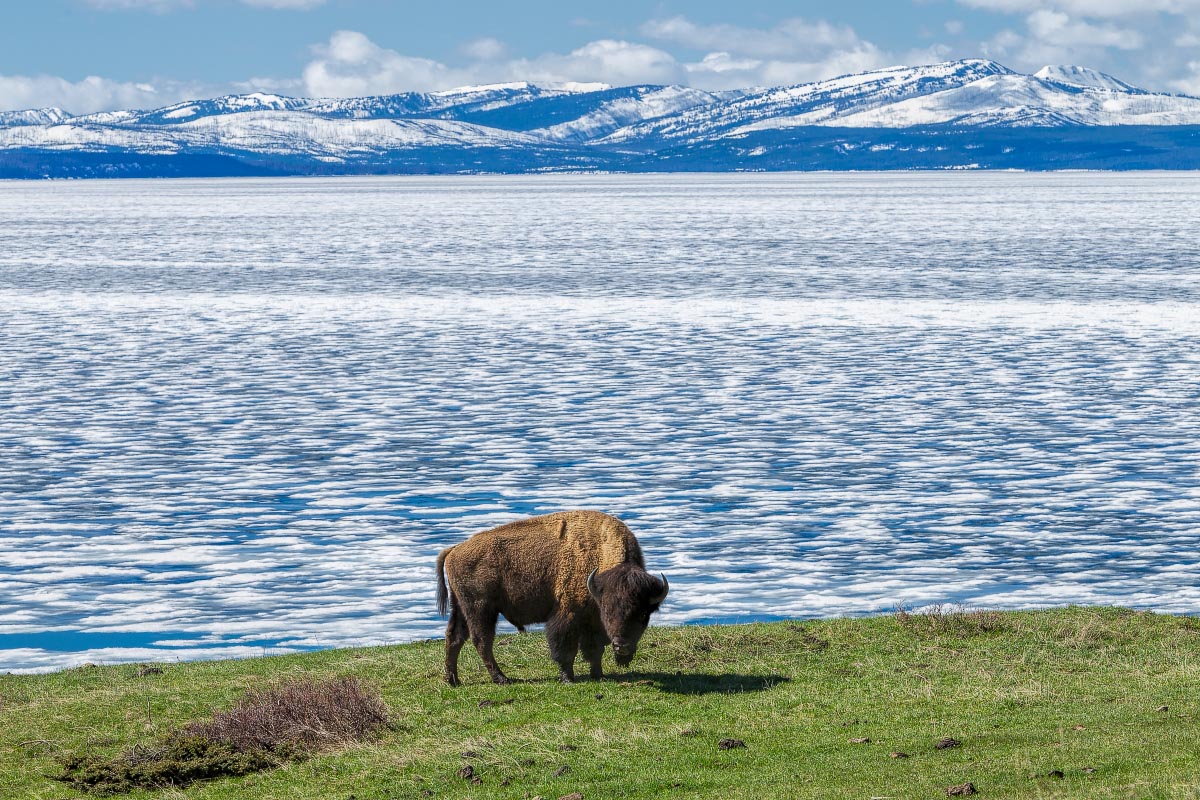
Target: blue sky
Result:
[88, 55]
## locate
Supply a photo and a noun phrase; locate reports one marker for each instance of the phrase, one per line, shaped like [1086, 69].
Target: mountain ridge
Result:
[525, 127]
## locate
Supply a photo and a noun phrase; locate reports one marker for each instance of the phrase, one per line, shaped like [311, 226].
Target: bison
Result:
[580, 572]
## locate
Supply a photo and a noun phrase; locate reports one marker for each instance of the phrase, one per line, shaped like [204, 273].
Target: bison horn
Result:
[592, 590]
[666, 588]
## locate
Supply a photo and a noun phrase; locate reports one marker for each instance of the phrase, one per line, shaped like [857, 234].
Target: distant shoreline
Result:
[803, 149]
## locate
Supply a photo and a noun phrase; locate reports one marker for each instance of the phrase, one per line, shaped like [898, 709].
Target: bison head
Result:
[626, 596]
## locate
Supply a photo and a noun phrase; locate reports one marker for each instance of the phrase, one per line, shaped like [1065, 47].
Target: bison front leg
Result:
[592, 645]
[563, 639]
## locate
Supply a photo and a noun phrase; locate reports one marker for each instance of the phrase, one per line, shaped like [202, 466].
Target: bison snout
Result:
[623, 651]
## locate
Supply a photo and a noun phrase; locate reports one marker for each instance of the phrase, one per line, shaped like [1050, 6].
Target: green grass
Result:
[1026, 693]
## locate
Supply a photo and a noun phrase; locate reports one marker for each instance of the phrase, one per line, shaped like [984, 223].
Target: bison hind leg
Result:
[483, 635]
[457, 633]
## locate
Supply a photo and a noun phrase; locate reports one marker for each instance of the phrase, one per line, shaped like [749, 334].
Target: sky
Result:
[92, 55]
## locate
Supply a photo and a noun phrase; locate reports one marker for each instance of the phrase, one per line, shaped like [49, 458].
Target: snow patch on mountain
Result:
[650, 103]
[290, 132]
[86, 138]
[1084, 77]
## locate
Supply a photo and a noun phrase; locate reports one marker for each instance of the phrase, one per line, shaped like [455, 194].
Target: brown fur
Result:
[536, 570]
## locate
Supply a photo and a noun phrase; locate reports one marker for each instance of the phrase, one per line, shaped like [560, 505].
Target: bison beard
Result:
[580, 572]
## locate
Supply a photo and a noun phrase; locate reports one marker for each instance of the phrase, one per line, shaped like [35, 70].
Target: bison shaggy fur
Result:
[580, 572]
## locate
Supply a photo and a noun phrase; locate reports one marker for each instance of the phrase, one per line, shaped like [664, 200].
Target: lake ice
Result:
[243, 416]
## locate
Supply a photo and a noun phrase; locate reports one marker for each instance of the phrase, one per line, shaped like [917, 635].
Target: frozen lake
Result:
[243, 416]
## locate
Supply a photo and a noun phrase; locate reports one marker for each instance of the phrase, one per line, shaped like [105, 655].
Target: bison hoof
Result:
[453, 680]
[501, 680]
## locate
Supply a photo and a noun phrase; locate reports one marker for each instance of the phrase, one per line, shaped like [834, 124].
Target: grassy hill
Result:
[1107, 698]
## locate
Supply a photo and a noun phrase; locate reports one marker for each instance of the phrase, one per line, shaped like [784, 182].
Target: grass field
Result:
[1107, 697]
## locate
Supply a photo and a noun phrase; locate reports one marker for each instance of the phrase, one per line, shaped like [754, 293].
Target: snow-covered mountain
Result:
[32, 116]
[522, 126]
[822, 102]
[1025, 101]
[284, 133]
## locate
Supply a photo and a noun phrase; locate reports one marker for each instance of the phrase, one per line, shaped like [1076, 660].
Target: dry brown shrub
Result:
[300, 714]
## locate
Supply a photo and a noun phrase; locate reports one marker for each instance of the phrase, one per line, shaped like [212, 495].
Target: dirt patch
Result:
[808, 639]
[731, 744]
[563, 770]
[946, 743]
[898, 754]
[492, 703]
[962, 790]
[179, 761]
[860, 740]
[148, 669]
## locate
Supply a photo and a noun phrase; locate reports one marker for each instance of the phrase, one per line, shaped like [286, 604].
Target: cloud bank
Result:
[92, 93]
[1152, 43]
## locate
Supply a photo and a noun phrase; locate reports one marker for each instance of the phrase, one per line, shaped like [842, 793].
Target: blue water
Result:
[243, 416]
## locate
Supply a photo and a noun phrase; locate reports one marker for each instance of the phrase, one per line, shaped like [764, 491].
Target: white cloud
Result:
[606, 60]
[1189, 83]
[794, 51]
[351, 65]
[90, 94]
[789, 39]
[1090, 8]
[1059, 29]
[485, 49]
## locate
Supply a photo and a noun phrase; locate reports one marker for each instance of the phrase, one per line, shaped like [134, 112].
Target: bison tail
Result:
[443, 595]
